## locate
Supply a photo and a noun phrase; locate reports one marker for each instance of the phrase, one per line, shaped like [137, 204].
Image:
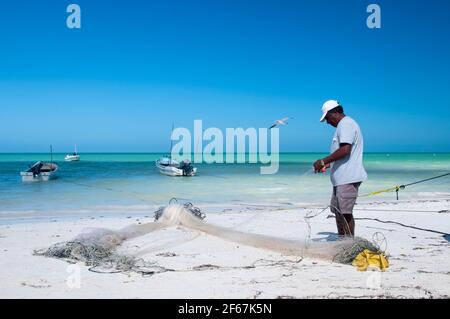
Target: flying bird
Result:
[281, 122]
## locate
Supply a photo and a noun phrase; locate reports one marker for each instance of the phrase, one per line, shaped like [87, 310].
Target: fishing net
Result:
[356, 246]
[97, 247]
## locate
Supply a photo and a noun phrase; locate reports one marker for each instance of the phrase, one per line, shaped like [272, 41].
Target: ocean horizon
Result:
[145, 156]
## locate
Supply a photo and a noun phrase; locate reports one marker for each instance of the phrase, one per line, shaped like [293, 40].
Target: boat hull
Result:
[72, 158]
[46, 174]
[42, 177]
[172, 170]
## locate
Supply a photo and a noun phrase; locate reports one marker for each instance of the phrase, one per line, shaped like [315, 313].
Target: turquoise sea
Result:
[109, 183]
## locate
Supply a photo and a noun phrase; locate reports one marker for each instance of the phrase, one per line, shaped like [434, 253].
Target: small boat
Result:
[168, 166]
[40, 172]
[74, 157]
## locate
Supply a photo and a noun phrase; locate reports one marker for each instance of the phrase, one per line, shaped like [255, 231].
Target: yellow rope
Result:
[381, 191]
[399, 187]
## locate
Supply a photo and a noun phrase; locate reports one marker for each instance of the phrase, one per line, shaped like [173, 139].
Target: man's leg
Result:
[346, 196]
[341, 224]
[350, 225]
[334, 207]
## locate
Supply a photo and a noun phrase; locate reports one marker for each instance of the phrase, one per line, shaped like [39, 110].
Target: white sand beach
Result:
[203, 266]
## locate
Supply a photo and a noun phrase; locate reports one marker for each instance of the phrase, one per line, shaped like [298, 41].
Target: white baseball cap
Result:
[328, 106]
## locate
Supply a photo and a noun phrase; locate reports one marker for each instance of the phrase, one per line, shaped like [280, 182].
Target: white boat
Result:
[170, 167]
[40, 172]
[74, 157]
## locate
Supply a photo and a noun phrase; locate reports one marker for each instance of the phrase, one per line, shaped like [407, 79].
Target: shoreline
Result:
[147, 210]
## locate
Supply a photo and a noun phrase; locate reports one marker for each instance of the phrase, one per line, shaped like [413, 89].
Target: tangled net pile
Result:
[97, 248]
[357, 245]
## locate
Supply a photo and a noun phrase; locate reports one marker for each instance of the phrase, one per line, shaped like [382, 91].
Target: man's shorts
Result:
[344, 198]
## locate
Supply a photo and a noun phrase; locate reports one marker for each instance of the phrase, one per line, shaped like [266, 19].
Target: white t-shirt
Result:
[350, 169]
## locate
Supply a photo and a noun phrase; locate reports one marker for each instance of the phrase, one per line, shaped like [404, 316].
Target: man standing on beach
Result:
[346, 162]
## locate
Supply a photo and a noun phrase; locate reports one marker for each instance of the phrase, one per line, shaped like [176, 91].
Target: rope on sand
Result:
[403, 225]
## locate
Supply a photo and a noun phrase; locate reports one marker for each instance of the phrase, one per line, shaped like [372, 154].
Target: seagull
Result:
[281, 122]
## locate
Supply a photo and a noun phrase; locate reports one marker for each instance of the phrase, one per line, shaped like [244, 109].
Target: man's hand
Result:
[319, 165]
[344, 150]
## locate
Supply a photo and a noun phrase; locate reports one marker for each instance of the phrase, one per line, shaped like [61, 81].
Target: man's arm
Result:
[344, 150]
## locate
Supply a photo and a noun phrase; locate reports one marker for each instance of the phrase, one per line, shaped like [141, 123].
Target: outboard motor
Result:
[36, 169]
[187, 168]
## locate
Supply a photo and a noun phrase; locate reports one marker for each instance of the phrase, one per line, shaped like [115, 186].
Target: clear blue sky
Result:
[135, 66]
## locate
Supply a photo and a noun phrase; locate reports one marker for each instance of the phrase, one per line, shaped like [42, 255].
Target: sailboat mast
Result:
[171, 144]
[51, 154]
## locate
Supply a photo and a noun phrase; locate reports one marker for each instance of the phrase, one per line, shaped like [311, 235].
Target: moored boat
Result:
[74, 157]
[40, 172]
[168, 166]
